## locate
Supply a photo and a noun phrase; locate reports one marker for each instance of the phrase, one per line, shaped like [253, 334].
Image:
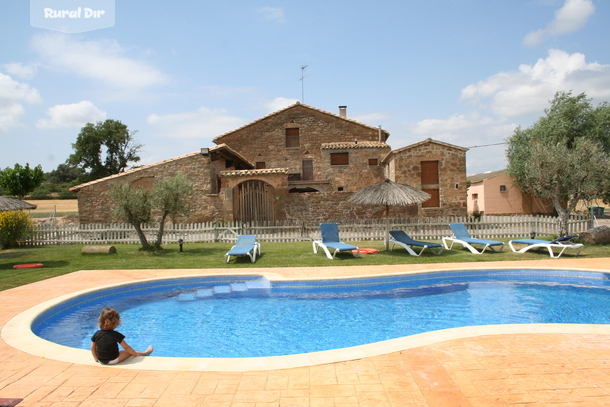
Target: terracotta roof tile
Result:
[144, 167]
[245, 173]
[484, 176]
[354, 145]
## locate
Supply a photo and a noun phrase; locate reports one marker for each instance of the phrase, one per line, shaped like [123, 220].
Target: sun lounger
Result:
[246, 245]
[562, 244]
[400, 238]
[462, 236]
[330, 240]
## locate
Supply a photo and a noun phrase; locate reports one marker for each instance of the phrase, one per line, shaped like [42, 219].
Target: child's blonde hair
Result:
[109, 319]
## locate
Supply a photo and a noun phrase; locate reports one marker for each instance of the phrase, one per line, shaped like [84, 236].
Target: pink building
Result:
[492, 193]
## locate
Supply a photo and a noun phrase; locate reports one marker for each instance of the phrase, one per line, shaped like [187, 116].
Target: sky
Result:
[180, 73]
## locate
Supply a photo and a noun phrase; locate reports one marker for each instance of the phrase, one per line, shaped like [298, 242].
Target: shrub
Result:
[14, 226]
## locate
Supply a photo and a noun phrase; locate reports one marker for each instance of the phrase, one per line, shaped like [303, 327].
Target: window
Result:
[373, 162]
[502, 188]
[260, 165]
[307, 170]
[292, 137]
[339, 158]
[429, 173]
[475, 196]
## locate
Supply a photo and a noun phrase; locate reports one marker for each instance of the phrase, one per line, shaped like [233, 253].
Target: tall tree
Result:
[20, 181]
[104, 149]
[169, 197]
[564, 156]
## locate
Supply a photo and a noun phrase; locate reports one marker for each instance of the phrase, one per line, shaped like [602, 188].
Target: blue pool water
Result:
[246, 316]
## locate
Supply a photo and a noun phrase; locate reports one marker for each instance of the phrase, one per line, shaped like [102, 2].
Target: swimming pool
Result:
[246, 316]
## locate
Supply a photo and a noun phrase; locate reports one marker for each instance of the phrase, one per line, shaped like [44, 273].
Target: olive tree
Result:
[168, 197]
[564, 155]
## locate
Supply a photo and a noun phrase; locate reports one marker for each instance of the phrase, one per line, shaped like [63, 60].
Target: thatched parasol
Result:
[389, 193]
[12, 204]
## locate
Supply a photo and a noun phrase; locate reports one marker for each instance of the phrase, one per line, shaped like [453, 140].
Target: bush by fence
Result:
[486, 227]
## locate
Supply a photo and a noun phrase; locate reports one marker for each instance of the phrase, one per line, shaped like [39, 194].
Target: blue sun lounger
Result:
[461, 236]
[562, 243]
[400, 238]
[330, 240]
[246, 245]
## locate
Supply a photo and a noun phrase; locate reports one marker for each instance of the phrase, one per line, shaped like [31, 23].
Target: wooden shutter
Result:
[339, 158]
[435, 198]
[429, 173]
[292, 137]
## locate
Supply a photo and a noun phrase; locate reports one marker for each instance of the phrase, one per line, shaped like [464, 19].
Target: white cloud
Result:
[374, 117]
[73, 115]
[204, 124]
[506, 99]
[25, 72]
[12, 95]
[102, 60]
[529, 89]
[572, 16]
[274, 14]
[457, 122]
[279, 103]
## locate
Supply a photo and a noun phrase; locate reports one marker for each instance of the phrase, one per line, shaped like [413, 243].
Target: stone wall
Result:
[264, 141]
[405, 168]
[312, 207]
[95, 204]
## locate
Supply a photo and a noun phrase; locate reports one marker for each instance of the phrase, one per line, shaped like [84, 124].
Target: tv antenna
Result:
[303, 83]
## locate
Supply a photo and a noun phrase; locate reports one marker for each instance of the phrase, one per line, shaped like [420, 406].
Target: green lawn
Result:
[64, 259]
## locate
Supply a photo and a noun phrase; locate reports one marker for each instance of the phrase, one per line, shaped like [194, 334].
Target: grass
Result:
[65, 259]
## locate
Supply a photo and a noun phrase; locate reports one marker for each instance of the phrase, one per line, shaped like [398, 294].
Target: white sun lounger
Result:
[562, 244]
[462, 236]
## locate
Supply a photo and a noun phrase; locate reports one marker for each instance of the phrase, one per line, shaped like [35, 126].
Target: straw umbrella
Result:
[389, 193]
[12, 204]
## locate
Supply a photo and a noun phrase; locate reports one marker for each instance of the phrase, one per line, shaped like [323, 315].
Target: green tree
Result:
[169, 197]
[20, 181]
[564, 156]
[103, 149]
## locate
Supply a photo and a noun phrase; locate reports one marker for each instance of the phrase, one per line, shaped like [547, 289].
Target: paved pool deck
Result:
[515, 365]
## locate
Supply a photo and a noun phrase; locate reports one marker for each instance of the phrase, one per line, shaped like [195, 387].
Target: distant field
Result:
[49, 205]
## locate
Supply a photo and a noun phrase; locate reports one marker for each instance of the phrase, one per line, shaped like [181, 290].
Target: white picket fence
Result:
[419, 228]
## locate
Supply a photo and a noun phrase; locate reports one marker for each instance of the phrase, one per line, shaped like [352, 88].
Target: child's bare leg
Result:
[147, 352]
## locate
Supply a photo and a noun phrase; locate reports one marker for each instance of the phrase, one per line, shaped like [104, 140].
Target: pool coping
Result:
[17, 333]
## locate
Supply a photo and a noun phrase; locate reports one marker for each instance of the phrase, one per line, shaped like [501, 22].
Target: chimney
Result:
[343, 111]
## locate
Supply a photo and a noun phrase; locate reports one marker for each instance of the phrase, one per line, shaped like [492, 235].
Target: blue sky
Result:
[466, 72]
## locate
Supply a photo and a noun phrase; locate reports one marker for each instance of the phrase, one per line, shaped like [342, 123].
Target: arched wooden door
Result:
[253, 201]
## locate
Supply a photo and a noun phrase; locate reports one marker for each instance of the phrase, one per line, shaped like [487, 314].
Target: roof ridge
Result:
[294, 105]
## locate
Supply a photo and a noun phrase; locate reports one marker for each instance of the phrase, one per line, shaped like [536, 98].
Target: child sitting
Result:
[105, 342]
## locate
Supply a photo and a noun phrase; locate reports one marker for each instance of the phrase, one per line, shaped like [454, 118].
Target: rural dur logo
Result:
[72, 16]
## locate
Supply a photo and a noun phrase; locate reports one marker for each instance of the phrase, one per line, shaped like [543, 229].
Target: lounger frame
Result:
[550, 245]
[247, 250]
[332, 229]
[409, 243]
[468, 242]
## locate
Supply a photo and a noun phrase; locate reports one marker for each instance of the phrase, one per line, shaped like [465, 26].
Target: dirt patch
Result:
[59, 205]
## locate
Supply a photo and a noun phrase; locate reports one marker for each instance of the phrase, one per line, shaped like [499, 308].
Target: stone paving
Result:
[522, 369]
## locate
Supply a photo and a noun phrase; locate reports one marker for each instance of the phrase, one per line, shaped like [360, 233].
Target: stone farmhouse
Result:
[299, 163]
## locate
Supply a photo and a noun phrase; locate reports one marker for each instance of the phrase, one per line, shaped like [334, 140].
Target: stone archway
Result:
[253, 201]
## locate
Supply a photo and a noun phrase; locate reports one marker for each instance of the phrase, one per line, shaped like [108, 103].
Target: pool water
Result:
[247, 316]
